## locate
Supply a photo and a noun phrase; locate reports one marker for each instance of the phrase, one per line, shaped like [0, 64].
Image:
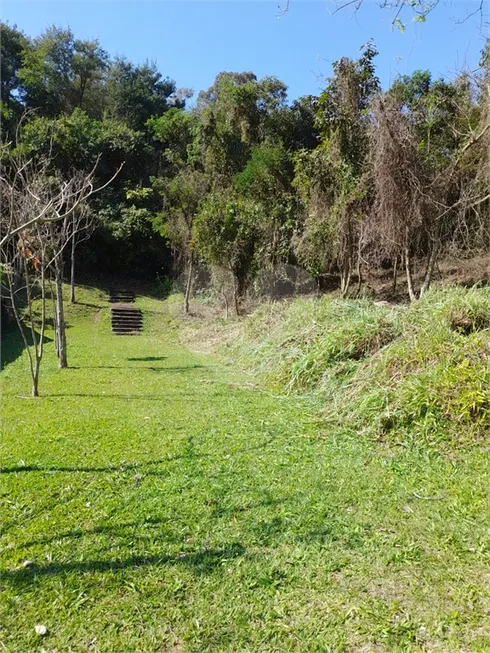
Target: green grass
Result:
[167, 504]
[402, 374]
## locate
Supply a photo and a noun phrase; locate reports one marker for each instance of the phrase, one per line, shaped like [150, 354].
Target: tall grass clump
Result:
[297, 346]
[402, 373]
[433, 382]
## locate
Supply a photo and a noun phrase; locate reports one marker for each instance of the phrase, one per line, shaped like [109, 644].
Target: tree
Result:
[80, 228]
[182, 195]
[63, 236]
[332, 179]
[12, 44]
[266, 181]
[235, 114]
[398, 217]
[34, 200]
[60, 73]
[225, 232]
[176, 133]
[136, 93]
[422, 141]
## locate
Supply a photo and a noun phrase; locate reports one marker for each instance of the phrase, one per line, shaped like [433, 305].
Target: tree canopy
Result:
[248, 179]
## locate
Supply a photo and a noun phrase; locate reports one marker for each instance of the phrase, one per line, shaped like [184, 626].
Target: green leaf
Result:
[399, 25]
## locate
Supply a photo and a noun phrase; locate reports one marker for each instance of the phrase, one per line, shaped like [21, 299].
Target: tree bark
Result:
[408, 271]
[430, 270]
[60, 321]
[35, 379]
[60, 333]
[359, 269]
[188, 287]
[55, 322]
[222, 291]
[345, 277]
[346, 267]
[72, 269]
[34, 357]
[235, 296]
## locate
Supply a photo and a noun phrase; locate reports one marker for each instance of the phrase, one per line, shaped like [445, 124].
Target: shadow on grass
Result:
[114, 530]
[149, 358]
[200, 562]
[110, 468]
[190, 398]
[144, 468]
[88, 305]
[138, 367]
[12, 346]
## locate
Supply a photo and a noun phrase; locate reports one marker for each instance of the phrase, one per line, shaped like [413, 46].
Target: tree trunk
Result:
[345, 277]
[36, 345]
[430, 271]
[225, 299]
[235, 296]
[359, 270]
[346, 268]
[55, 326]
[72, 270]
[52, 293]
[408, 272]
[35, 378]
[188, 287]
[60, 322]
[17, 278]
[395, 273]
[60, 333]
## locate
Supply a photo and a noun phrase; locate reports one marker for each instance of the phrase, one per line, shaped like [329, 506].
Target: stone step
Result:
[117, 296]
[126, 333]
[126, 319]
[125, 311]
[123, 321]
[132, 316]
[121, 299]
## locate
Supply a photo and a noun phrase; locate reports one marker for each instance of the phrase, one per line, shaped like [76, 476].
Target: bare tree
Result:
[397, 221]
[64, 235]
[35, 200]
[29, 255]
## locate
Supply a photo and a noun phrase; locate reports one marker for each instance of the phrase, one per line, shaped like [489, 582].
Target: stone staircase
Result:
[126, 320]
[121, 296]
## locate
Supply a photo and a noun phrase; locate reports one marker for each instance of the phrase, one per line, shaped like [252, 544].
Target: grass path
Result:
[166, 505]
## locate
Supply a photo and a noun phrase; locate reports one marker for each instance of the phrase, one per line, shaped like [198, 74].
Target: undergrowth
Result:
[400, 373]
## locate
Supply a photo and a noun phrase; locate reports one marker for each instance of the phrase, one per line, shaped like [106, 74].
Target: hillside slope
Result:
[403, 373]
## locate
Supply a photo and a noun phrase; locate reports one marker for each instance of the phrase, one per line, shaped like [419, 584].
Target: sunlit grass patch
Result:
[154, 499]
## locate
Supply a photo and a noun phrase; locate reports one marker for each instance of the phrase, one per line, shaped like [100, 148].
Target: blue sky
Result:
[193, 41]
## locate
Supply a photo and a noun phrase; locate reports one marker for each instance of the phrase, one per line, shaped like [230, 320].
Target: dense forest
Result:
[355, 179]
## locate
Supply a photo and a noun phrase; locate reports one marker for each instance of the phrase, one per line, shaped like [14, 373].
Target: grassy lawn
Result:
[166, 504]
